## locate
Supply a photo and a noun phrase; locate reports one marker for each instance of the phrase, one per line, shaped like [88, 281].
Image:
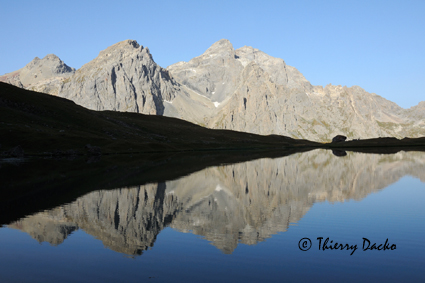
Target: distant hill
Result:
[244, 90]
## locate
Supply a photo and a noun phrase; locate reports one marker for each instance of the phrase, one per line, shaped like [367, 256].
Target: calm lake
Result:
[307, 216]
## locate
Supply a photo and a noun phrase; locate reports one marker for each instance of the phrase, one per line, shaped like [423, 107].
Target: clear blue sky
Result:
[378, 45]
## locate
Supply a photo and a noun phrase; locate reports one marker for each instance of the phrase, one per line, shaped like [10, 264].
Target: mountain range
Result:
[243, 90]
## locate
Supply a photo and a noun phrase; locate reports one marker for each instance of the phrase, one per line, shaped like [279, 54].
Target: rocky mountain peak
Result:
[36, 59]
[51, 60]
[123, 77]
[213, 74]
[420, 105]
[279, 72]
[221, 46]
[51, 57]
[276, 67]
[43, 75]
[217, 73]
[247, 54]
[417, 113]
[120, 51]
[125, 45]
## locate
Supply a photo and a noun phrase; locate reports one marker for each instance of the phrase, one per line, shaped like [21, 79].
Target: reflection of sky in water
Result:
[396, 213]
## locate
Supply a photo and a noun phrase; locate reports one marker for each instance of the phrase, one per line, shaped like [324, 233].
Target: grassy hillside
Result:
[42, 124]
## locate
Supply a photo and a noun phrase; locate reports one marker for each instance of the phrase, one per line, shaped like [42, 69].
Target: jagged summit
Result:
[130, 42]
[116, 53]
[122, 47]
[214, 74]
[223, 45]
[123, 77]
[51, 57]
[50, 64]
[125, 43]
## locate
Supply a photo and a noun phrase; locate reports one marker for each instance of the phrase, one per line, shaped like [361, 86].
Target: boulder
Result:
[339, 138]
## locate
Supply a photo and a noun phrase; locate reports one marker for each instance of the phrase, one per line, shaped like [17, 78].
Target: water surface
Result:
[235, 222]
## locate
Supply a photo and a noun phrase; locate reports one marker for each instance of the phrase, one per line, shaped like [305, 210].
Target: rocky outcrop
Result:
[339, 138]
[227, 205]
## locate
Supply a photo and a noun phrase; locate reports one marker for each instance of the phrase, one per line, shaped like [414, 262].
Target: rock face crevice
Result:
[227, 205]
[243, 89]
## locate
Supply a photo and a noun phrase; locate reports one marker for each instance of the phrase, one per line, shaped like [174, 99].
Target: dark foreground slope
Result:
[44, 124]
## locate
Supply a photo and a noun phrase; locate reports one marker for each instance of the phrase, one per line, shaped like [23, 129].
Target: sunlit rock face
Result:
[257, 93]
[124, 77]
[227, 205]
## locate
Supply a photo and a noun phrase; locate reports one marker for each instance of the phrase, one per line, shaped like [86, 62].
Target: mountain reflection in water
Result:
[239, 203]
